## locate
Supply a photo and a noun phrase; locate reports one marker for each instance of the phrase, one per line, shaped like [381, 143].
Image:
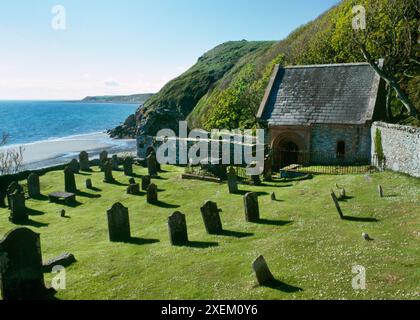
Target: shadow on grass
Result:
[73, 204]
[200, 244]
[33, 212]
[141, 241]
[357, 219]
[159, 178]
[344, 199]
[162, 204]
[278, 223]
[244, 192]
[87, 195]
[33, 223]
[281, 286]
[40, 197]
[95, 189]
[84, 174]
[235, 234]
[117, 183]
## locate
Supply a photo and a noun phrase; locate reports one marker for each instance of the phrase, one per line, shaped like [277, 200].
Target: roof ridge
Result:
[328, 65]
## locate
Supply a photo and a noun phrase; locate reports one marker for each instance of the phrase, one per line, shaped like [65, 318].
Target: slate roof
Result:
[324, 94]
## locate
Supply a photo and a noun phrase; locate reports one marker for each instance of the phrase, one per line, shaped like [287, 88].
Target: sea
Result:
[52, 132]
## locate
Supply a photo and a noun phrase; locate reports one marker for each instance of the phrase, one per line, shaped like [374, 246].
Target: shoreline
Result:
[57, 151]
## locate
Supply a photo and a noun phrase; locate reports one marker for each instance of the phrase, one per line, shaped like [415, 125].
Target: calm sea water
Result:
[31, 121]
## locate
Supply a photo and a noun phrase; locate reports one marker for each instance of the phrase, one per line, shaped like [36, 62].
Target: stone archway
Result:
[288, 148]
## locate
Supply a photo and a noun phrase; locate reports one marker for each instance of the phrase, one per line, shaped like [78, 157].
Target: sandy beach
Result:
[59, 151]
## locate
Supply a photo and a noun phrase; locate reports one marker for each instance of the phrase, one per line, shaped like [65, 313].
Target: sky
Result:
[69, 49]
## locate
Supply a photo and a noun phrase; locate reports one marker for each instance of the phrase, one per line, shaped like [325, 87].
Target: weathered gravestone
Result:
[74, 166]
[84, 161]
[128, 166]
[89, 184]
[69, 181]
[262, 272]
[380, 191]
[177, 226]
[118, 223]
[337, 204]
[152, 165]
[103, 158]
[115, 163]
[13, 188]
[252, 210]
[18, 213]
[273, 196]
[34, 188]
[108, 172]
[145, 182]
[232, 181]
[152, 193]
[211, 218]
[133, 187]
[22, 276]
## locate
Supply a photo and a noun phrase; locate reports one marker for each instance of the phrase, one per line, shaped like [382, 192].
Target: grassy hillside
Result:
[225, 87]
[306, 246]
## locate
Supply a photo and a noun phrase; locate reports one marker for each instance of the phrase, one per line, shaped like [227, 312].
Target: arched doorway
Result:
[289, 154]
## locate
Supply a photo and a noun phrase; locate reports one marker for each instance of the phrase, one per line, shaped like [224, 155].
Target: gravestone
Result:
[128, 166]
[232, 181]
[256, 180]
[69, 181]
[152, 193]
[74, 166]
[337, 204]
[118, 223]
[145, 182]
[103, 158]
[273, 196]
[2, 200]
[62, 213]
[131, 181]
[89, 184]
[84, 161]
[18, 213]
[262, 272]
[211, 218]
[252, 210]
[152, 165]
[343, 194]
[381, 191]
[22, 277]
[108, 172]
[177, 226]
[34, 188]
[115, 163]
[133, 189]
[12, 188]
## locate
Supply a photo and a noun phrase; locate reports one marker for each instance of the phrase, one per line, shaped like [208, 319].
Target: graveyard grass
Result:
[301, 236]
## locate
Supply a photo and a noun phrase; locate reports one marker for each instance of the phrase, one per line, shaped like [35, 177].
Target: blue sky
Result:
[127, 46]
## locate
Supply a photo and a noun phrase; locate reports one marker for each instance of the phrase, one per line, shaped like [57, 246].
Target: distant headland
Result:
[130, 99]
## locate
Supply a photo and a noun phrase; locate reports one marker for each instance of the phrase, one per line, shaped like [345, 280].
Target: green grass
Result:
[306, 244]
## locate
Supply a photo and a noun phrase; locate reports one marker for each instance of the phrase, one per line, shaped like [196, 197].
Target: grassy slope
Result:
[306, 245]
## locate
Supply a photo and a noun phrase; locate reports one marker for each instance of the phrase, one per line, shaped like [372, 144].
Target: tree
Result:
[11, 159]
[388, 29]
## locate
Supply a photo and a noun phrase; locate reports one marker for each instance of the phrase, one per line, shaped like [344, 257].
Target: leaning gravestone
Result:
[69, 181]
[128, 166]
[232, 181]
[84, 161]
[252, 211]
[22, 276]
[34, 189]
[115, 163]
[380, 191]
[133, 189]
[103, 158]
[18, 213]
[145, 182]
[262, 272]
[152, 165]
[152, 193]
[177, 226]
[211, 218]
[74, 166]
[118, 223]
[12, 188]
[337, 204]
[108, 172]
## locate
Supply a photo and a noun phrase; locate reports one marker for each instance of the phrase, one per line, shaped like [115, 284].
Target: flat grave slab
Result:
[62, 197]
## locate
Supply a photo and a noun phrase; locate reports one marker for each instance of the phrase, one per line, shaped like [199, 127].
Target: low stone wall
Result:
[401, 147]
